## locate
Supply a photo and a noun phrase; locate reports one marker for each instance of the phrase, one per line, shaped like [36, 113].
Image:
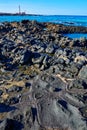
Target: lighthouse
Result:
[20, 12]
[19, 9]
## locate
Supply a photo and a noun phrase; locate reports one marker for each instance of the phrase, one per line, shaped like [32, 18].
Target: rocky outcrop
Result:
[43, 77]
[66, 29]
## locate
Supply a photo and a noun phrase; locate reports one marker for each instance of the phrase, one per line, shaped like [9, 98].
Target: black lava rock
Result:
[26, 57]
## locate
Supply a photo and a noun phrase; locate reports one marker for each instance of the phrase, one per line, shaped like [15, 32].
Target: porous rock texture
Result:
[43, 77]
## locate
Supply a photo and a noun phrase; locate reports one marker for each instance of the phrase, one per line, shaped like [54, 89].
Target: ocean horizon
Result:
[74, 20]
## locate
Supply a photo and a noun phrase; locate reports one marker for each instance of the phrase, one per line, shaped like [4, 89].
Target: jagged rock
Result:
[50, 50]
[12, 100]
[61, 115]
[7, 124]
[10, 124]
[1, 92]
[47, 82]
[14, 89]
[26, 57]
[38, 58]
[83, 72]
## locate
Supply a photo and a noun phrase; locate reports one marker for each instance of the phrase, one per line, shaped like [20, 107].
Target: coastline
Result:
[17, 14]
[43, 76]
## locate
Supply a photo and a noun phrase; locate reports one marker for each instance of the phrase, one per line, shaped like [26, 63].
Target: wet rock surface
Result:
[43, 77]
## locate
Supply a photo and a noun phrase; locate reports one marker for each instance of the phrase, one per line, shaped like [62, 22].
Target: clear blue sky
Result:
[64, 7]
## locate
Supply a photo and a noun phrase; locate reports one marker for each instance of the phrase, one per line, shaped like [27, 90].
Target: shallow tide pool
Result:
[76, 35]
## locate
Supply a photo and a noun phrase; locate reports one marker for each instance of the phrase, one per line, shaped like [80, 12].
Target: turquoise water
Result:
[76, 35]
[61, 19]
[58, 19]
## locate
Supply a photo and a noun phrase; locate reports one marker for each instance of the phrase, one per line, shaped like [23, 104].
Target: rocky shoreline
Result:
[43, 77]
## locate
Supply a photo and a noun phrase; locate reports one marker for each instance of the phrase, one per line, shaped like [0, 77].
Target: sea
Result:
[58, 19]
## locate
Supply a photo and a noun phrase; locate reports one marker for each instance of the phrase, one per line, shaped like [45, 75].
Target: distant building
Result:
[23, 13]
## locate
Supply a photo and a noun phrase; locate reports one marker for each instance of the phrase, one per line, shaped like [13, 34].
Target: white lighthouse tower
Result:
[19, 9]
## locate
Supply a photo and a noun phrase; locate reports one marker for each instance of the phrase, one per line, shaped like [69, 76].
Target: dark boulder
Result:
[25, 21]
[10, 124]
[26, 57]
[1, 92]
[7, 124]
